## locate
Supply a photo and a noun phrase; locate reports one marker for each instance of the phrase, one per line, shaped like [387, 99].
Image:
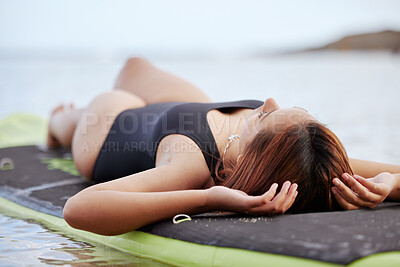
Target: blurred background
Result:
[338, 59]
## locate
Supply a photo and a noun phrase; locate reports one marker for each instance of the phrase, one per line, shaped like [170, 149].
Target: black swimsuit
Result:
[131, 144]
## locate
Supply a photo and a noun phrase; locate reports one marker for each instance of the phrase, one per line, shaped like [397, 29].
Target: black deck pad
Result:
[337, 237]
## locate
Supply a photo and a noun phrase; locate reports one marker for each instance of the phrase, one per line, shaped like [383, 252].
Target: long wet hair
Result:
[306, 153]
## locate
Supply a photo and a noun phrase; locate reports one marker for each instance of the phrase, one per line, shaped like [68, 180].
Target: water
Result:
[356, 93]
[25, 242]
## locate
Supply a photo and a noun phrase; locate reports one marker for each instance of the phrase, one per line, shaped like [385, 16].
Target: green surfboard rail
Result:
[22, 129]
[26, 129]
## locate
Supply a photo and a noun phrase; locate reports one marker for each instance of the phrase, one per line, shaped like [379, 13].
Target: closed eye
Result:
[264, 114]
[261, 113]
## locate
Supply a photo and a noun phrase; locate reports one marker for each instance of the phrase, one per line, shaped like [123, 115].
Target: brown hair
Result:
[306, 153]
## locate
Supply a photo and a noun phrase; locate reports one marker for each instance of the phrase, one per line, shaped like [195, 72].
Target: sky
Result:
[224, 27]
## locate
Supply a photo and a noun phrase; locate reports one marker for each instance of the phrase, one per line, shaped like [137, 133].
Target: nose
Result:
[270, 105]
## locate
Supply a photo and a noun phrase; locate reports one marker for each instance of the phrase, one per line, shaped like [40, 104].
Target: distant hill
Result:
[386, 40]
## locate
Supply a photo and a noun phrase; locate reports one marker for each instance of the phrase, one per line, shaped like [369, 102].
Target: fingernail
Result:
[335, 181]
[334, 190]
[295, 186]
[345, 177]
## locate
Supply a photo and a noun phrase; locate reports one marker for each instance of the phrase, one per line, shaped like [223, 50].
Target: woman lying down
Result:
[156, 146]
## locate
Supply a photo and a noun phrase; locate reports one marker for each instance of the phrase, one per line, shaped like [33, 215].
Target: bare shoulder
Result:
[178, 167]
[183, 153]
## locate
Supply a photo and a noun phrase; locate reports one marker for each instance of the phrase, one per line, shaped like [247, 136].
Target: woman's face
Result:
[271, 117]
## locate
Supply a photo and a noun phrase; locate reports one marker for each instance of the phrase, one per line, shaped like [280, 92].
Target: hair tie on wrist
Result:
[186, 218]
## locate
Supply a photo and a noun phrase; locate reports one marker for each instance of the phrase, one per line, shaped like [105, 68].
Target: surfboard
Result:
[36, 182]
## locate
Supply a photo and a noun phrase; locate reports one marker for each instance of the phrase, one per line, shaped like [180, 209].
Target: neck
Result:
[235, 124]
[233, 151]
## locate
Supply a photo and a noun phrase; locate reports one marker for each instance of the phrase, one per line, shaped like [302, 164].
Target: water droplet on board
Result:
[359, 237]
[344, 245]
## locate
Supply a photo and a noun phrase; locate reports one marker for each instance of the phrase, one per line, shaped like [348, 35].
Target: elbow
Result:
[82, 212]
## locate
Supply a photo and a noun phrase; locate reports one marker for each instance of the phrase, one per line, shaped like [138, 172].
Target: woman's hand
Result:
[354, 192]
[227, 199]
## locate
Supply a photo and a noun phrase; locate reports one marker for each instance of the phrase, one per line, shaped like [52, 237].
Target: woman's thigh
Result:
[94, 125]
[154, 85]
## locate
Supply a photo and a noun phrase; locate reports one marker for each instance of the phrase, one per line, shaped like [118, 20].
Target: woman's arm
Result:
[368, 168]
[110, 212]
[125, 204]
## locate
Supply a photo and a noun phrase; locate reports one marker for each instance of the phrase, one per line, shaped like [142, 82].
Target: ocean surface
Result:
[357, 94]
[25, 242]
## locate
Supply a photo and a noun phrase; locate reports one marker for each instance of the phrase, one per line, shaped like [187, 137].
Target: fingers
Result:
[291, 197]
[356, 191]
[265, 198]
[362, 191]
[284, 200]
[280, 197]
[348, 194]
[341, 200]
[373, 187]
[278, 204]
[270, 193]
